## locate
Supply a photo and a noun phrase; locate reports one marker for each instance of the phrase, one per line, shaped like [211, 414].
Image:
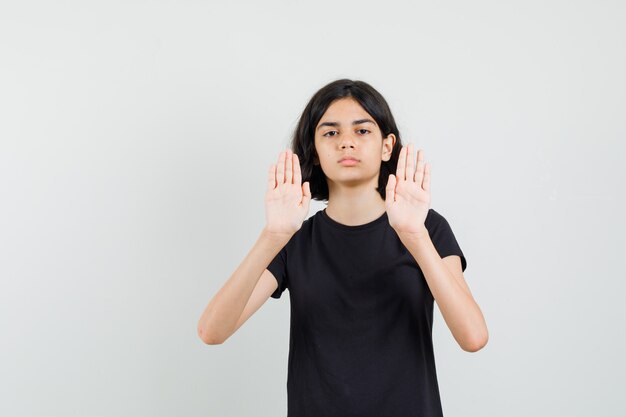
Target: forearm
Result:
[221, 314]
[458, 308]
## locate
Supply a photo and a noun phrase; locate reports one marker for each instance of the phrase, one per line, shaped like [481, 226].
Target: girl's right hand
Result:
[286, 201]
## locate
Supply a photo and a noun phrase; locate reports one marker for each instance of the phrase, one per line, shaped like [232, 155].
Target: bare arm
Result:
[447, 284]
[219, 319]
[286, 204]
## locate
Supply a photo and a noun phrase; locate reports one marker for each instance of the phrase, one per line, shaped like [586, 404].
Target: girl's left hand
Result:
[407, 195]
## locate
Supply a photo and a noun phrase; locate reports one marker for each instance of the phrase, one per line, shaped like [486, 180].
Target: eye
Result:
[327, 133]
[360, 130]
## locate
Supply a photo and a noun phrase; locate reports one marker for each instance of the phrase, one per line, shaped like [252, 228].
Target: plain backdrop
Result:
[135, 139]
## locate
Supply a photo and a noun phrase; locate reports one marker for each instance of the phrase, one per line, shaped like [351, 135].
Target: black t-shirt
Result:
[360, 340]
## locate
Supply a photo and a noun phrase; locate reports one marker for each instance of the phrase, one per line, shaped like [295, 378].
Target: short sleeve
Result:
[278, 268]
[442, 237]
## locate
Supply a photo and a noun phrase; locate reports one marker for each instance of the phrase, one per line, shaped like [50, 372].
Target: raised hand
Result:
[407, 195]
[286, 200]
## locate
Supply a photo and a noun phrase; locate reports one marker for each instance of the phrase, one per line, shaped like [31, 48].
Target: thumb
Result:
[306, 192]
[390, 190]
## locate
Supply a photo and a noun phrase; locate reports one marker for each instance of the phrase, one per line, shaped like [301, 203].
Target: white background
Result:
[135, 139]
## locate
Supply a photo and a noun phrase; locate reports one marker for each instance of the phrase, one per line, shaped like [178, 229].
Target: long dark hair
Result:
[303, 139]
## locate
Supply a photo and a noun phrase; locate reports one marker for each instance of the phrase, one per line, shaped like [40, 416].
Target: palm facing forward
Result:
[407, 198]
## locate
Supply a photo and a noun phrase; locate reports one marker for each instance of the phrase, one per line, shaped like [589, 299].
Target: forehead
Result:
[344, 109]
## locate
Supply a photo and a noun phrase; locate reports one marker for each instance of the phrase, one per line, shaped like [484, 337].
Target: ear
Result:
[388, 143]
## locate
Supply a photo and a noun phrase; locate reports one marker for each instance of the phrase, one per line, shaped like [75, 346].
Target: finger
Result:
[426, 180]
[390, 191]
[401, 168]
[410, 164]
[419, 172]
[271, 177]
[280, 168]
[306, 193]
[297, 173]
[289, 167]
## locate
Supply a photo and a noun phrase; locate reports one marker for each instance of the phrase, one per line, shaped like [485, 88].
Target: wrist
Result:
[276, 237]
[416, 235]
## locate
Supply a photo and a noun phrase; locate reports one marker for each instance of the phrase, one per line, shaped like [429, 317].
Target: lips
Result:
[348, 158]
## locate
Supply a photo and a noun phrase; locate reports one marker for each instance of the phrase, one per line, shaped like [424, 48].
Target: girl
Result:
[362, 274]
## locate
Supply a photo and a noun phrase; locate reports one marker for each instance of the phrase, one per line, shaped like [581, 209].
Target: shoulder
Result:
[305, 229]
[308, 223]
[433, 219]
[437, 224]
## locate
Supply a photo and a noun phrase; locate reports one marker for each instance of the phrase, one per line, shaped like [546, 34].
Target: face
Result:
[346, 129]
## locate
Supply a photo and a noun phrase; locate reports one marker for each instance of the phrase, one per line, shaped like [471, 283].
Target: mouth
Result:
[348, 162]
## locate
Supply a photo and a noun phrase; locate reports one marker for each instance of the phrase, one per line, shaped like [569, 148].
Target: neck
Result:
[353, 206]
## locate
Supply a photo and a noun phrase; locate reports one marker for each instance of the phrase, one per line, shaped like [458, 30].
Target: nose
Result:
[347, 139]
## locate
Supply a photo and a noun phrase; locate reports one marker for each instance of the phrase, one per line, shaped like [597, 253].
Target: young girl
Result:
[362, 274]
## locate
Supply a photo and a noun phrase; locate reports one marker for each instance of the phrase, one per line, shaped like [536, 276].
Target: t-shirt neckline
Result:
[341, 226]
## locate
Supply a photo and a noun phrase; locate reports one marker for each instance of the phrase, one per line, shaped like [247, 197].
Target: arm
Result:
[286, 204]
[447, 284]
[408, 202]
[221, 315]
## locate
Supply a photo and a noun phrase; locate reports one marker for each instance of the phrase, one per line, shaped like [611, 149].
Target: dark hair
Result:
[303, 139]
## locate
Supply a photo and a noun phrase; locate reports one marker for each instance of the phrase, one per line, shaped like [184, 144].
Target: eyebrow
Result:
[335, 124]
